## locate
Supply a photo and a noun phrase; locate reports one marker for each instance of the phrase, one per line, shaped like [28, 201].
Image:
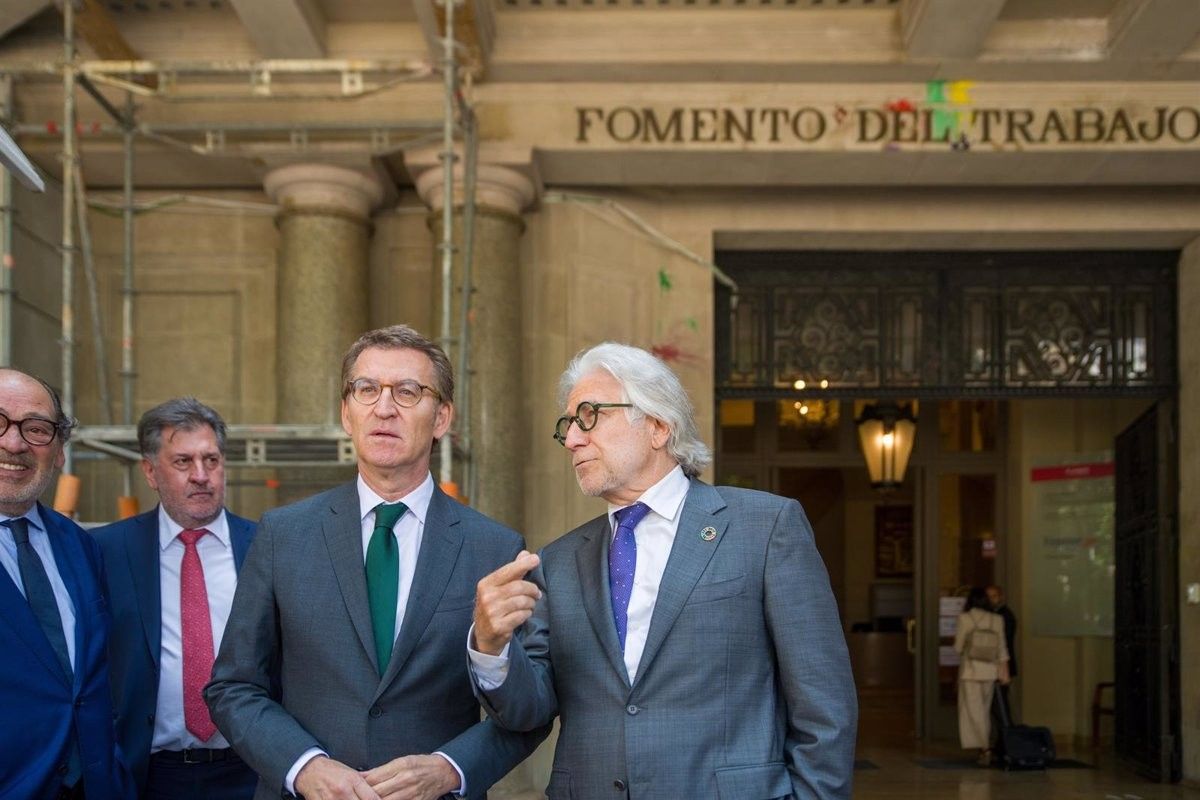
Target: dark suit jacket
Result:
[301, 603]
[38, 704]
[1010, 637]
[131, 559]
[744, 688]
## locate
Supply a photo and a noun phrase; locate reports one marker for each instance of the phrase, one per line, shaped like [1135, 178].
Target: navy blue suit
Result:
[38, 707]
[131, 557]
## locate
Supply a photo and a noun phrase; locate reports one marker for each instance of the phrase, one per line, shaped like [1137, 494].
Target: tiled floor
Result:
[897, 775]
[892, 767]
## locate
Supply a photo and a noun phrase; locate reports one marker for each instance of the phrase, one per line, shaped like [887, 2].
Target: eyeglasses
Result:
[406, 393]
[587, 414]
[34, 430]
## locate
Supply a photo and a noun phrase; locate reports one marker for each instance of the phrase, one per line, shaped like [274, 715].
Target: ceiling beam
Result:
[474, 29]
[1152, 29]
[947, 28]
[96, 26]
[283, 28]
[15, 13]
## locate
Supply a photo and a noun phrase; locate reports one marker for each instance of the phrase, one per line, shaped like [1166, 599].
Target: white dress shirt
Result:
[220, 580]
[39, 539]
[655, 535]
[409, 530]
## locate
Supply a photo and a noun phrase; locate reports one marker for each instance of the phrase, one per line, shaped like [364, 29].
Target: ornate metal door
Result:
[1146, 635]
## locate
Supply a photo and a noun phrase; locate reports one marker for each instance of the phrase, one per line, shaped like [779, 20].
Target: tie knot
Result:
[190, 537]
[386, 514]
[20, 529]
[630, 516]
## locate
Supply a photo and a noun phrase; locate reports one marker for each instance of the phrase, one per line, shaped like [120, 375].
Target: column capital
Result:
[507, 182]
[299, 187]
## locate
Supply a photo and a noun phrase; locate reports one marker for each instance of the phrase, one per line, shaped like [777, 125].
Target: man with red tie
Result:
[171, 577]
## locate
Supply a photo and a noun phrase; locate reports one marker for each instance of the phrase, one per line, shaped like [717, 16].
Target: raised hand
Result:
[503, 601]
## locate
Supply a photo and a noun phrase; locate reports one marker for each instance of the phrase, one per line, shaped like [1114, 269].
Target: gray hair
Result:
[653, 389]
[183, 413]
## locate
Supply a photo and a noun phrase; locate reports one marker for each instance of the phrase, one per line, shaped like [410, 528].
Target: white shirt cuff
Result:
[289, 780]
[461, 791]
[490, 671]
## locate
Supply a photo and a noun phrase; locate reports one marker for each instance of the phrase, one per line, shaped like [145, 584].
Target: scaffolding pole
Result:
[6, 237]
[470, 146]
[446, 452]
[128, 374]
[68, 223]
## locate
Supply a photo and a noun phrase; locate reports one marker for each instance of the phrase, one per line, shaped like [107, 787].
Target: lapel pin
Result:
[708, 534]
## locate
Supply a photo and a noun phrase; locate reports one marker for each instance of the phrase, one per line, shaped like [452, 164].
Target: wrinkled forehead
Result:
[21, 396]
[598, 386]
[393, 363]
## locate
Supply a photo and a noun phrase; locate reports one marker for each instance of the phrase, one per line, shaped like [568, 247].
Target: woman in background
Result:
[983, 660]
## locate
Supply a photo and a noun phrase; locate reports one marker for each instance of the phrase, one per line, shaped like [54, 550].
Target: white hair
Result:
[653, 389]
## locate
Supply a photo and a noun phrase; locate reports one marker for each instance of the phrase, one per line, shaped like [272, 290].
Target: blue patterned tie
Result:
[40, 595]
[622, 562]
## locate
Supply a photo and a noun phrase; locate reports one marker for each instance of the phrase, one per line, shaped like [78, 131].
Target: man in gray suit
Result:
[688, 639]
[341, 674]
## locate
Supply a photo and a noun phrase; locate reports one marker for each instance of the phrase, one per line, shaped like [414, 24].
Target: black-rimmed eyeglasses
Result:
[34, 430]
[587, 414]
[406, 393]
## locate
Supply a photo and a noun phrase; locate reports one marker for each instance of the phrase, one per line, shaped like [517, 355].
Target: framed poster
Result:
[893, 541]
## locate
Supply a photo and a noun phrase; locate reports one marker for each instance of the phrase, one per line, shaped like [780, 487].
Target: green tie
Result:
[383, 579]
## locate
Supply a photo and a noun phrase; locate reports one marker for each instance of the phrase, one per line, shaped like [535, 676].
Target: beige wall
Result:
[588, 277]
[1058, 674]
[204, 325]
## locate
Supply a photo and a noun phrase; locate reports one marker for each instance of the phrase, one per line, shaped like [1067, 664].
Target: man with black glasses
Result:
[56, 732]
[363, 596]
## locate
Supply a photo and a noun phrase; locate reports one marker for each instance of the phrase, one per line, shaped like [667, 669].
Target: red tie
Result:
[197, 638]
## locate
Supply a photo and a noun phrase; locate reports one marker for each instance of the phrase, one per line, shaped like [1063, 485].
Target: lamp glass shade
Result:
[886, 443]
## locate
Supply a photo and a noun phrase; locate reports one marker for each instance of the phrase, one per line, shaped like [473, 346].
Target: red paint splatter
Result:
[667, 352]
[903, 104]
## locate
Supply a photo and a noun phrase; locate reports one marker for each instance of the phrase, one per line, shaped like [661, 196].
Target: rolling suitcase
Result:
[1022, 746]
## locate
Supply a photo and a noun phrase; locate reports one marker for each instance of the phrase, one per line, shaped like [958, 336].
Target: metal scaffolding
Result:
[254, 446]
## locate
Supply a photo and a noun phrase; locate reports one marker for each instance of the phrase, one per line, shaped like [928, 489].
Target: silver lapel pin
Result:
[708, 534]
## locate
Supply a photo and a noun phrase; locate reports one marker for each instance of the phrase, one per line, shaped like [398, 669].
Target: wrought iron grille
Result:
[947, 323]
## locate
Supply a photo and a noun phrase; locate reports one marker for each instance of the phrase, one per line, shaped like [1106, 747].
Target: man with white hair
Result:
[688, 639]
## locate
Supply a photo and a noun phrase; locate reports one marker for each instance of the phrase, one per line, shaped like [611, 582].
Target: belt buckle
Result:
[193, 757]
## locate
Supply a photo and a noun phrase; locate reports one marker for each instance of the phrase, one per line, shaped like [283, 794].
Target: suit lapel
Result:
[17, 615]
[689, 557]
[591, 559]
[143, 552]
[240, 534]
[342, 528]
[441, 541]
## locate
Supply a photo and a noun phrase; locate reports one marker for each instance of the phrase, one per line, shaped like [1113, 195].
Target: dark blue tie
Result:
[622, 562]
[40, 595]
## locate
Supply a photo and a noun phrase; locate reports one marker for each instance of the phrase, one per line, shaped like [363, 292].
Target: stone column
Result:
[496, 393]
[324, 224]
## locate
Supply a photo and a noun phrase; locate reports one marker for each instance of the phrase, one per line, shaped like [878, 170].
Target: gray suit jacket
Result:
[300, 622]
[744, 690]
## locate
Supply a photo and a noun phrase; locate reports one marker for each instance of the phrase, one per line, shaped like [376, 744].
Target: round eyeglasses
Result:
[406, 393]
[34, 430]
[587, 414]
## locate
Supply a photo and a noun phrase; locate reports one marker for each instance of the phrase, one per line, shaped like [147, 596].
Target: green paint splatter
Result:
[664, 280]
[935, 91]
[691, 323]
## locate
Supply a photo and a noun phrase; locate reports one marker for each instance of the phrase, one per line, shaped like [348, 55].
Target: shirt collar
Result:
[168, 528]
[417, 500]
[35, 518]
[665, 498]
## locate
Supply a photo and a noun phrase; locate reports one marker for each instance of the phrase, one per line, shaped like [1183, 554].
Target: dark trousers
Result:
[170, 778]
